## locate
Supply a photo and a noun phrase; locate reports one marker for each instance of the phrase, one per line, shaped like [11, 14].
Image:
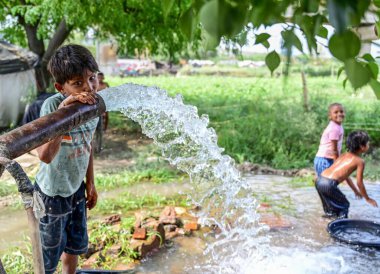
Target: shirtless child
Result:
[336, 202]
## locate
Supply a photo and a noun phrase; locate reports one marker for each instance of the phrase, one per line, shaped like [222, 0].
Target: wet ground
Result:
[304, 248]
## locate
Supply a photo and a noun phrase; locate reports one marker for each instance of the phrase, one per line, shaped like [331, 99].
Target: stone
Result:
[138, 221]
[144, 247]
[90, 263]
[191, 226]
[180, 210]
[150, 222]
[90, 250]
[264, 207]
[172, 234]
[114, 250]
[169, 228]
[275, 222]
[113, 219]
[168, 215]
[140, 233]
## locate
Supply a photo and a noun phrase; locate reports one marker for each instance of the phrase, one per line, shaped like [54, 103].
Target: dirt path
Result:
[118, 152]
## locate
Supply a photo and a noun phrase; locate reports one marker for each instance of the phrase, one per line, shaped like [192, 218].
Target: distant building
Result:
[17, 82]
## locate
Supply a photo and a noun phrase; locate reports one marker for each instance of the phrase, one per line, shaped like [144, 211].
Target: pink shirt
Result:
[332, 132]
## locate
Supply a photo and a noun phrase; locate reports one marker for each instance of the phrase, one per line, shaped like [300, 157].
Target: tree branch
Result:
[60, 35]
[36, 45]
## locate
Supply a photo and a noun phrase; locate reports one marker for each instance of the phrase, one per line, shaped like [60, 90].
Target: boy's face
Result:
[365, 148]
[336, 114]
[88, 82]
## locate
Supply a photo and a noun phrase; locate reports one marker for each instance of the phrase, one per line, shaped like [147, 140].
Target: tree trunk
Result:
[43, 77]
[305, 92]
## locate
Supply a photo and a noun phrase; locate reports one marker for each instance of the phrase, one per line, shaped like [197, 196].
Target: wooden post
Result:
[38, 261]
[305, 92]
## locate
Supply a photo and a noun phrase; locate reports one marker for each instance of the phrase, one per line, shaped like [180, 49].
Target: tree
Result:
[167, 25]
[230, 19]
[44, 25]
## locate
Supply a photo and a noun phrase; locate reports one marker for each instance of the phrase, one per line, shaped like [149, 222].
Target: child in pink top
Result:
[331, 145]
[331, 140]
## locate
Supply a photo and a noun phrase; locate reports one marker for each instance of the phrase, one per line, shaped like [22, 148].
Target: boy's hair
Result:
[70, 61]
[356, 139]
[334, 105]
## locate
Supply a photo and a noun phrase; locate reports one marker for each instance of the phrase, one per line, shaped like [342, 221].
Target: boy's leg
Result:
[69, 263]
[338, 201]
[53, 240]
[76, 229]
[52, 231]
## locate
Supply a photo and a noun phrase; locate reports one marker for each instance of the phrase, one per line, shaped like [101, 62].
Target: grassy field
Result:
[263, 120]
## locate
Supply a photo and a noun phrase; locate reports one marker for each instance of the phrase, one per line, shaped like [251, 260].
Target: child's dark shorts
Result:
[322, 163]
[64, 227]
[335, 203]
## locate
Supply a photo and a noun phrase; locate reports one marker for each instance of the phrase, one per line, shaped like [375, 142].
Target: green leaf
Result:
[209, 42]
[310, 6]
[167, 6]
[272, 60]
[224, 18]
[188, 23]
[344, 83]
[344, 46]
[375, 85]
[266, 44]
[262, 37]
[290, 39]
[357, 73]
[376, 3]
[340, 70]
[368, 57]
[323, 32]
[374, 68]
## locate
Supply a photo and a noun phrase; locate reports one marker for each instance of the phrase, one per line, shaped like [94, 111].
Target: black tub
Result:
[99, 271]
[356, 232]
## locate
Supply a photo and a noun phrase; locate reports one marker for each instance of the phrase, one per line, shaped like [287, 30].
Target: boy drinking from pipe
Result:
[66, 161]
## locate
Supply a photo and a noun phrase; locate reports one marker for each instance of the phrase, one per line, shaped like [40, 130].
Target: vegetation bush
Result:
[263, 119]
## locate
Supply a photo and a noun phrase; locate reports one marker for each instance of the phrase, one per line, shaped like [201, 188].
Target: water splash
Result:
[187, 142]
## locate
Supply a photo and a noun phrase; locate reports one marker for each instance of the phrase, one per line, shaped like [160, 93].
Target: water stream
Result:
[228, 200]
[242, 246]
[187, 142]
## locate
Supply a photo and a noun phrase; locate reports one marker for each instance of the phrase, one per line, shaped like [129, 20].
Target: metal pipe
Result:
[38, 132]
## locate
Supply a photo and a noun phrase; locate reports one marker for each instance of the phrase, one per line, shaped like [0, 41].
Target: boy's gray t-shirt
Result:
[64, 175]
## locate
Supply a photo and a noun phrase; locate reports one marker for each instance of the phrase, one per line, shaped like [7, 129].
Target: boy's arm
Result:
[359, 179]
[47, 151]
[334, 151]
[92, 195]
[105, 121]
[353, 187]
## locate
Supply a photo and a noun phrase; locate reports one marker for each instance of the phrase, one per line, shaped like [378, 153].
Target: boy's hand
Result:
[358, 195]
[92, 195]
[372, 202]
[83, 97]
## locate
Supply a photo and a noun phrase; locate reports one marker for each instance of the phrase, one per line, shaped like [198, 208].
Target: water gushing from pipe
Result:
[187, 142]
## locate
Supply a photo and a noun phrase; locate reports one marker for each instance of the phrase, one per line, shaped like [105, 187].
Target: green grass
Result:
[262, 119]
[127, 202]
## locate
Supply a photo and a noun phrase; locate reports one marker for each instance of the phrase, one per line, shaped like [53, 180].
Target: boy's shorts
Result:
[322, 163]
[335, 203]
[64, 227]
